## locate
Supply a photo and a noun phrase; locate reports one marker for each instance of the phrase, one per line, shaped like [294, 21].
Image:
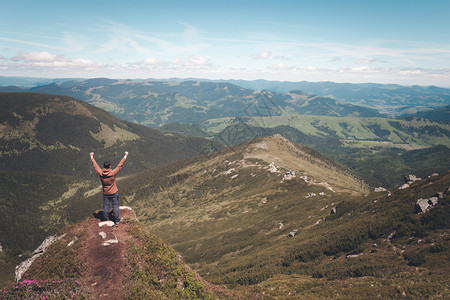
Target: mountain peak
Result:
[97, 259]
[305, 161]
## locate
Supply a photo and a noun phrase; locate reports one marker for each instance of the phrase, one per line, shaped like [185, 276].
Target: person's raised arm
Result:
[119, 166]
[94, 163]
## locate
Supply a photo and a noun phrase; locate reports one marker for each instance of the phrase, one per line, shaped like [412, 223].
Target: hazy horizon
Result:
[399, 42]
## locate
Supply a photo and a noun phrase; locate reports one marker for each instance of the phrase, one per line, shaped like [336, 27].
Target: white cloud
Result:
[263, 55]
[198, 60]
[368, 61]
[190, 63]
[151, 61]
[336, 58]
[43, 56]
[47, 60]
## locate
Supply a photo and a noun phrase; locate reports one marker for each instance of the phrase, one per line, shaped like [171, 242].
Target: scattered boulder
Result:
[106, 223]
[318, 222]
[273, 168]
[411, 178]
[288, 176]
[293, 233]
[424, 205]
[404, 186]
[109, 242]
[23, 266]
[333, 211]
[228, 172]
[433, 200]
[72, 242]
[125, 207]
[1, 248]
[311, 195]
[281, 225]
[380, 189]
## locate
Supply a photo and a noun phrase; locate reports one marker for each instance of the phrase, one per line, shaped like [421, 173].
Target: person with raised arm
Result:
[110, 190]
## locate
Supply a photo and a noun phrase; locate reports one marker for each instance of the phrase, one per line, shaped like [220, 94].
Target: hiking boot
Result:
[120, 220]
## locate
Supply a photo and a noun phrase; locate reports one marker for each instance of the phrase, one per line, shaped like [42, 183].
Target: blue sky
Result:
[405, 42]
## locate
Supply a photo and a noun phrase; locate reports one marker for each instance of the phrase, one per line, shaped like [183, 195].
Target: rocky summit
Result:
[93, 260]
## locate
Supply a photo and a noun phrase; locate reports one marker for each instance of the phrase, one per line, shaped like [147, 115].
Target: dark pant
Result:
[114, 198]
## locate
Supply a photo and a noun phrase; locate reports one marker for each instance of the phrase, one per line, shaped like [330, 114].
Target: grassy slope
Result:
[229, 229]
[45, 168]
[43, 131]
[414, 133]
[380, 150]
[153, 269]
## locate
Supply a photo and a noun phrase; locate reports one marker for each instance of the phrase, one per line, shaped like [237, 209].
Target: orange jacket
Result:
[108, 176]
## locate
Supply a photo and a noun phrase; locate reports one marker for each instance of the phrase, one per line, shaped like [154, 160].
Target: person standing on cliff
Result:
[110, 191]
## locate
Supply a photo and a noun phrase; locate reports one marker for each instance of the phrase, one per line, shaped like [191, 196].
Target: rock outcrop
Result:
[411, 178]
[404, 186]
[23, 266]
[424, 205]
[288, 176]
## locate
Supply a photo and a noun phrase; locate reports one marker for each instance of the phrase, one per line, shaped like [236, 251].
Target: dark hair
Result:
[107, 164]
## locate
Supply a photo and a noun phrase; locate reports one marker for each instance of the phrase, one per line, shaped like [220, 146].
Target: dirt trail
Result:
[105, 247]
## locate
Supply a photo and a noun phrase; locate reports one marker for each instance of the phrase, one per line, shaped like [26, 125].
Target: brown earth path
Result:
[106, 260]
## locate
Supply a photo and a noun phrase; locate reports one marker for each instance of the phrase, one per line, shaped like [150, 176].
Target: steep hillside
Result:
[411, 133]
[185, 129]
[437, 114]
[39, 132]
[257, 220]
[91, 260]
[155, 103]
[45, 169]
[240, 217]
[369, 146]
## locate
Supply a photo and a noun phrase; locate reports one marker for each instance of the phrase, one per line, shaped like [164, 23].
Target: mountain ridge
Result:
[241, 217]
[155, 103]
[93, 260]
[392, 99]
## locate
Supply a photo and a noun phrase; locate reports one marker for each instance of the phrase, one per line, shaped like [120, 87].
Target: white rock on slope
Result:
[23, 266]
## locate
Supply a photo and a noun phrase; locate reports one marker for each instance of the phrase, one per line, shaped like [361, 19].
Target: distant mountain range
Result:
[155, 103]
[389, 99]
